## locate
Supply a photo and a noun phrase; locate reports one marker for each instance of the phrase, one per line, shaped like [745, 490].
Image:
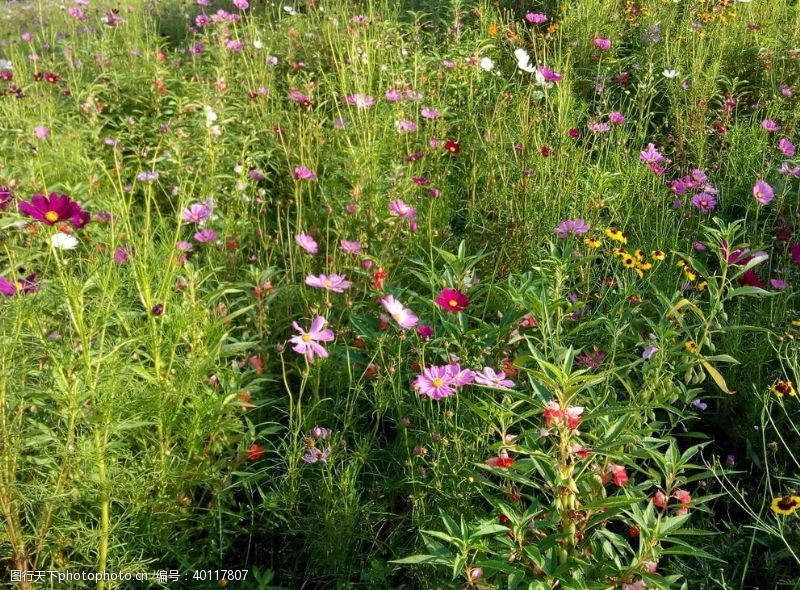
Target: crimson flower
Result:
[452, 300]
[452, 146]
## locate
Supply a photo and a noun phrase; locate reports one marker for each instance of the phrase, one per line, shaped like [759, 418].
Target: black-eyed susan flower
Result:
[616, 235]
[690, 274]
[592, 243]
[619, 252]
[691, 347]
[658, 255]
[641, 265]
[786, 505]
[639, 255]
[702, 286]
[783, 387]
[628, 261]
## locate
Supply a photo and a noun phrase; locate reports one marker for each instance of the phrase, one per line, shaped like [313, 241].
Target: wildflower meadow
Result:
[400, 294]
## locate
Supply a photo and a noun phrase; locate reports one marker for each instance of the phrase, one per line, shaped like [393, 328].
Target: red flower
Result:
[452, 300]
[633, 532]
[619, 474]
[452, 146]
[255, 452]
[796, 253]
[503, 461]
[545, 151]
[751, 279]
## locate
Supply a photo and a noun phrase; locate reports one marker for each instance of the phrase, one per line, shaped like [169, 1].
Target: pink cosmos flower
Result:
[489, 378]
[603, 44]
[405, 126]
[362, 101]
[576, 227]
[435, 382]
[616, 118]
[429, 113]
[54, 208]
[425, 332]
[548, 75]
[536, 18]
[763, 192]
[303, 173]
[307, 342]
[452, 300]
[307, 243]
[205, 235]
[786, 147]
[770, 125]
[598, 127]
[402, 209]
[458, 376]
[400, 314]
[196, 213]
[334, 283]
[350, 247]
[778, 284]
[41, 132]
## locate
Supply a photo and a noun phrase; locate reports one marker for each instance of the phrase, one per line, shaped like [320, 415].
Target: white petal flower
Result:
[670, 74]
[64, 241]
[487, 64]
[524, 62]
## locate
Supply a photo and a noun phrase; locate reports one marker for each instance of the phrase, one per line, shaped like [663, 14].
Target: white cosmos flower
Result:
[6, 65]
[211, 116]
[290, 10]
[64, 241]
[258, 44]
[670, 74]
[486, 64]
[524, 62]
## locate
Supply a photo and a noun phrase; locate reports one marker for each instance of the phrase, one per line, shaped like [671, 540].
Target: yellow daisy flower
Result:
[783, 387]
[592, 243]
[691, 347]
[786, 506]
[658, 255]
[616, 235]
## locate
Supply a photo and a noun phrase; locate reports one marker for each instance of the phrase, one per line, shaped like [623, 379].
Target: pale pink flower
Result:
[400, 314]
[334, 283]
[490, 378]
[307, 342]
[307, 243]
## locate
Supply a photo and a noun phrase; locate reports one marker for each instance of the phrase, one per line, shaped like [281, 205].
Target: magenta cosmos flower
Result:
[5, 197]
[303, 173]
[400, 314]
[763, 192]
[536, 18]
[786, 147]
[334, 283]
[489, 378]
[651, 155]
[307, 243]
[435, 382]
[307, 342]
[604, 44]
[350, 247]
[402, 209]
[55, 208]
[548, 75]
[19, 287]
[452, 300]
[196, 213]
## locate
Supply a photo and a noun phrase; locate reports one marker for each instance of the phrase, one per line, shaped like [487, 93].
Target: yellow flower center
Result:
[453, 303]
[437, 382]
[18, 286]
[306, 337]
[397, 316]
[327, 282]
[51, 216]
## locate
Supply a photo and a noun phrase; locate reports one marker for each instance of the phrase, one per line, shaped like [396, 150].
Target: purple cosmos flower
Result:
[184, 246]
[704, 202]
[55, 208]
[5, 198]
[205, 235]
[334, 283]
[361, 101]
[651, 155]
[763, 192]
[148, 176]
[122, 255]
[197, 213]
[314, 455]
[770, 125]
[536, 18]
[350, 247]
[296, 96]
[435, 382]
[778, 284]
[393, 95]
[405, 126]
[320, 432]
[576, 227]
[21, 286]
[241, 4]
[307, 342]
[234, 45]
[425, 332]
[786, 147]
[489, 378]
[307, 243]
[429, 113]
[303, 173]
[400, 314]
[699, 405]
[649, 352]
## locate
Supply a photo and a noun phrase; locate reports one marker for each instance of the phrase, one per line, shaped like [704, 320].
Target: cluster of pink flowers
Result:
[660, 500]
[570, 417]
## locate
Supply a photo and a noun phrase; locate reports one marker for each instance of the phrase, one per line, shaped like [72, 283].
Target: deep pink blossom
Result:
[452, 300]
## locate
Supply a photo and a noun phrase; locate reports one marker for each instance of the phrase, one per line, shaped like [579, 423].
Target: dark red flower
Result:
[452, 146]
[545, 151]
[452, 300]
[751, 279]
[795, 253]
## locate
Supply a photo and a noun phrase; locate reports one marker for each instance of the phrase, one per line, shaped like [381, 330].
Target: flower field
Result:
[400, 294]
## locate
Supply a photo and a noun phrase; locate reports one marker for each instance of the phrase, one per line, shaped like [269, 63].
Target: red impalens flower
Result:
[55, 208]
[452, 300]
